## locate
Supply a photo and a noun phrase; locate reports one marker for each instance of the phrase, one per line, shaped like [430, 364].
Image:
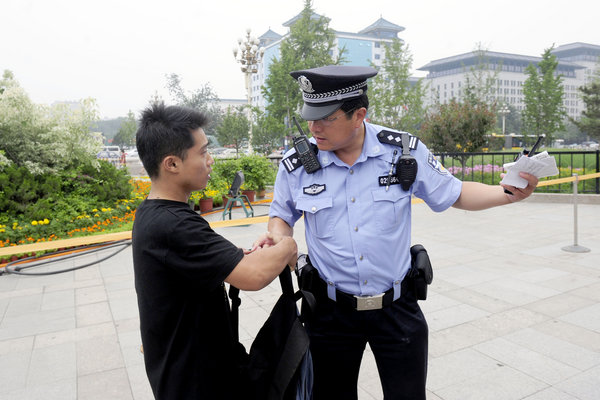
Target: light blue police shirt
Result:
[357, 233]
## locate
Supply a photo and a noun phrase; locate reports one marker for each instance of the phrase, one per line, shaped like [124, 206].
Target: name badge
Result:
[383, 180]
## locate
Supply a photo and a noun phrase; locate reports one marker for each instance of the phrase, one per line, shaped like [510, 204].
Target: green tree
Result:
[396, 101]
[589, 122]
[234, 128]
[309, 44]
[458, 127]
[480, 80]
[543, 95]
[203, 99]
[108, 127]
[126, 134]
[45, 139]
[266, 134]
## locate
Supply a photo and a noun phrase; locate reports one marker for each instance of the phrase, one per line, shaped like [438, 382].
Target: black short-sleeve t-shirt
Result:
[180, 264]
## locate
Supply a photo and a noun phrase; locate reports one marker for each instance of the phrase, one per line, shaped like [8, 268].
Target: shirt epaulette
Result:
[292, 162]
[395, 138]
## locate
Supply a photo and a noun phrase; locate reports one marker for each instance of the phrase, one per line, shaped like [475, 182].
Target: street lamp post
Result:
[249, 55]
[504, 111]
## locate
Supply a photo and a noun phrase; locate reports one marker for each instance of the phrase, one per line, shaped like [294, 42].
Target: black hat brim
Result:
[315, 113]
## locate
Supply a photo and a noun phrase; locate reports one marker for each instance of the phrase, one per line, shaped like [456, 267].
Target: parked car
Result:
[132, 154]
[109, 152]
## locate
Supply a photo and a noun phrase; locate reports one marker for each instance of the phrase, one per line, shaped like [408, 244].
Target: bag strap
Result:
[234, 315]
[285, 279]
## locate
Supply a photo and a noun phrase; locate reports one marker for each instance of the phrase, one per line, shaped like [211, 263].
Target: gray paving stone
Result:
[560, 350]
[21, 305]
[571, 333]
[527, 361]
[92, 314]
[559, 305]
[501, 383]
[42, 368]
[460, 366]
[551, 394]
[58, 299]
[509, 321]
[90, 294]
[58, 390]
[587, 317]
[36, 323]
[99, 354]
[113, 384]
[74, 335]
[456, 338]
[14, 366]
[585, 386]
[452, 316]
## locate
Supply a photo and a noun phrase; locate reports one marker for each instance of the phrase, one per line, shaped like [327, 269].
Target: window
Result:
[377, 56]
[377, 45]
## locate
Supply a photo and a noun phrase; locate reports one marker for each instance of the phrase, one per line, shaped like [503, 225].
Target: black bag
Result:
[279, 365]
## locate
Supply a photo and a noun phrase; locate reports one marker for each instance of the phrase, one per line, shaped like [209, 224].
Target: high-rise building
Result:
[362, 48]
[577, 62]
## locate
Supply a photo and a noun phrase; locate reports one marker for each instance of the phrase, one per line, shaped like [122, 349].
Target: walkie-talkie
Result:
[407, 167]
[305, 152]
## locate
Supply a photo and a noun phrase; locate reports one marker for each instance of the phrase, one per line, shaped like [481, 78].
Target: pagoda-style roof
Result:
[292, 21]
[382, 28]
[269, 37]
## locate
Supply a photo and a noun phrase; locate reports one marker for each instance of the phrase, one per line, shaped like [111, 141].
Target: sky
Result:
[119, 51]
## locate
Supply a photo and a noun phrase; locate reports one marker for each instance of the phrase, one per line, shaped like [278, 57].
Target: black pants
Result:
[397, 335]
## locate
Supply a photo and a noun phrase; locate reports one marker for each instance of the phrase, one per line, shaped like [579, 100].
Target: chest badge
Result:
[314, 189]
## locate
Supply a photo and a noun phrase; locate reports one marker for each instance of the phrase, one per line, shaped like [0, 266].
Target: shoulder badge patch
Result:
[314, 189]
[436, 165]
[395, 138]
[292, 162]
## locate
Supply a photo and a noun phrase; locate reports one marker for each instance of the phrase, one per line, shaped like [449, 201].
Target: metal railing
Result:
[486, 167]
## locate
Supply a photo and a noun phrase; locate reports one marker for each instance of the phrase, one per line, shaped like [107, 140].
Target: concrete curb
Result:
[564, 198]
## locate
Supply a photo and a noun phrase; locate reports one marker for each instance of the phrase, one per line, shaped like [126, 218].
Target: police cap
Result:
[325, 89]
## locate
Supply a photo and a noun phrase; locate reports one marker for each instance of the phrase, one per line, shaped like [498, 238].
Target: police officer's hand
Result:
[520, 194]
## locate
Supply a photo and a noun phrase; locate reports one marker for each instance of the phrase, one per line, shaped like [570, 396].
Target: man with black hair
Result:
[356, 210]
[181, 265]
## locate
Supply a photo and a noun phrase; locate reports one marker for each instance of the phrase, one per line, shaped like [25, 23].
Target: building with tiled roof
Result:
[362, 48]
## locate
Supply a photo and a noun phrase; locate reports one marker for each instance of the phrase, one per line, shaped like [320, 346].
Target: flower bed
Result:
[96, 220]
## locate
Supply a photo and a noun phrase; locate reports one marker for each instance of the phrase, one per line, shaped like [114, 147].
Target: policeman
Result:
[357, 210]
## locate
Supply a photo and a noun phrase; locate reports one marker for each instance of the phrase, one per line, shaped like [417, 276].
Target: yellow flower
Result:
[2, 231]
[95, 210]
[46, 221]
[34, 223]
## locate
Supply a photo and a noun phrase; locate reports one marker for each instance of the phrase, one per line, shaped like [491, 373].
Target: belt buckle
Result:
[364, 303]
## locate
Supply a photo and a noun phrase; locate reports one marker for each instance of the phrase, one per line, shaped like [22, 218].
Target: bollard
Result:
[575, 248]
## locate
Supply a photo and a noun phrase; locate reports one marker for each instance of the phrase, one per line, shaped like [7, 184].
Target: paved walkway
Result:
[511, 315]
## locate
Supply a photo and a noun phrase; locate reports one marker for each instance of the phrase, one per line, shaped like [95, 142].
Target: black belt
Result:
[360, 303]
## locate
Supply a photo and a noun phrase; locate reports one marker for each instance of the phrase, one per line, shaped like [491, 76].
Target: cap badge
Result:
[305, 84]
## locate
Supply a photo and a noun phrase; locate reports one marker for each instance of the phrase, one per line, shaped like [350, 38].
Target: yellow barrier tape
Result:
[569, 179]
[84, 240]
